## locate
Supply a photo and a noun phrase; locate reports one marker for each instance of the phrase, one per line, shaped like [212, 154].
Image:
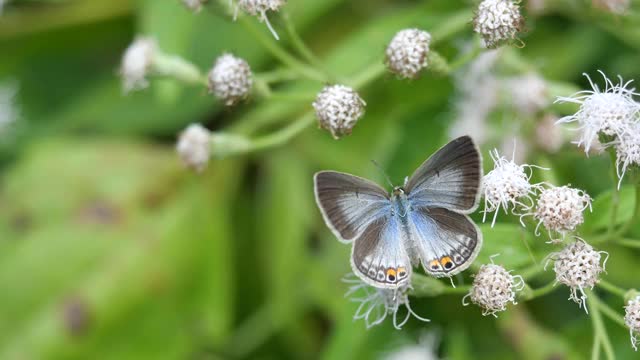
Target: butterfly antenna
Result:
[383, 172]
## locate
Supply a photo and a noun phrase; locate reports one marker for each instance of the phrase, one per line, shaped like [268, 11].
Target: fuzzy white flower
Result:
[528, 93]
[549, 136]
[497, 21]
[193, 146]
[610, 112]
[259, 8]
[376, 304]
[507, 187]
[632, 320]
[627, 148]
[618, 7]
[560, 209]
[9, 112]
[137, 62]
[338, 109]
[578, 267]
[194, 5]
[493, 288]
[230, 79]
[478, 90]
[407, 52]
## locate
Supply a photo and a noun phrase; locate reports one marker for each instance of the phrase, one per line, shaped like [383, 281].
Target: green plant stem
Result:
[615, 196]
[599, 330]
[457, 290]
[539, 292]
[612, 315]
[300, 45]
[369, 74]
[632, 243]
[269, 44]
[614, 289]
[283, 135]
[466, 58]
[452, 26]
[276, 76]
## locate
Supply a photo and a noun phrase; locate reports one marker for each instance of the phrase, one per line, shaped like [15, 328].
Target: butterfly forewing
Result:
[449, 178]
[349, 203]
[446, 242]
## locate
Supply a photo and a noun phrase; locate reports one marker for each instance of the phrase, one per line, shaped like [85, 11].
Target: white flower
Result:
[578, 267]
[627, 148]
[560, 209]
[632, 320]
[376, 304]
[338, 109]
[549, 136]
[618, 7]
[497, 21]
[9, 111]
[137, 62]
[610, 112]
[493, 288]
[194, 5]
[230, 79]
[259, 8]
[426, 349]
[529, 93]
[507, 186]
[193, 146]
[407, 52]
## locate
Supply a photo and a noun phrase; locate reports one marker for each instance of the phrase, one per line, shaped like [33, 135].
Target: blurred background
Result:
[111, 249]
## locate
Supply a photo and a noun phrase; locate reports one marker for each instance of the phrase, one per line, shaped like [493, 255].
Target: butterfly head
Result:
[397, 191]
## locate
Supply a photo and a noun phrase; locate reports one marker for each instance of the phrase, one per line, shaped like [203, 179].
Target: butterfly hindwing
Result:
[379, 255]
[445, 241]
[449, 178]
[349, 203]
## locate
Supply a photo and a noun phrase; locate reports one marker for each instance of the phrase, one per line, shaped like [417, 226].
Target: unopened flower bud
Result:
[407, 52]
[338, 109]
[137, 62]
[493, 288]
[230, 79]
[194, 146]
[498, 21]
[632, 320]
[259, 8]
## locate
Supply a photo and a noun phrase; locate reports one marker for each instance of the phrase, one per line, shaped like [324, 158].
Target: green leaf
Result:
[603, 205]
[507, 241]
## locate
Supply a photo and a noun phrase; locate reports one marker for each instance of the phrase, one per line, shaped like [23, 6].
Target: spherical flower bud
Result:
[407, 53]
[578, 267]
[560, 209]
[194, 146]
[137, 62]
[507, 186]
[259, 8]
[230, 79]
[497, 21]
[610, 112]
[618, 7]
[632, 320]
[195, 5]
[627, 148]
[493, 288]
[338, 109]
[378, 303]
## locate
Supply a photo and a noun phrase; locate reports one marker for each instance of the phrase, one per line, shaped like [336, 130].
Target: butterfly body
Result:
[423, 222]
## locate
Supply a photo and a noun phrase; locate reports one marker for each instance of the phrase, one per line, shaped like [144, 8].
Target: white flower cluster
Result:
[529, 92]
[378, 303]
[426, 349]
[230, 79]
[612, 113]
[137, 62]
[632, 320]
[497, 21]
[193, 146]
[338, 109]
[507, 186]
[493, 288]
[407, 53]
[560, 209]
[259, 8]
[578, 267]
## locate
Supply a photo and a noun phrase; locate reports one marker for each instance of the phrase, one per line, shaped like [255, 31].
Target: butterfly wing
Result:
[446, 242]
[379, 255]
[349, 203]
[449, 178]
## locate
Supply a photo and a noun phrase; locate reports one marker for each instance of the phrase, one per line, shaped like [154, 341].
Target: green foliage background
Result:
[110, 249]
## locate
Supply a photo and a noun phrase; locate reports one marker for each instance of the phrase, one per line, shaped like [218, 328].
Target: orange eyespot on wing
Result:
[446, 262]
[435, 265]
[391, 275]
[402, 273]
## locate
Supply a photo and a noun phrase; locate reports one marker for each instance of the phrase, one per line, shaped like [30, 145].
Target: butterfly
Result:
[425, 221]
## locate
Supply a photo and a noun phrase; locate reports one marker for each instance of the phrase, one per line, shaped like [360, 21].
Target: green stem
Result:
[369, 74]
[452, 26]
[612, 315]
[632, 243]
[615, 197]
[457, 290]
[281, 54]
[614, 289]
[276, 76]
[300, 45]
[283, 135]
[466, 58]
[600, 332]
[543, 290]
